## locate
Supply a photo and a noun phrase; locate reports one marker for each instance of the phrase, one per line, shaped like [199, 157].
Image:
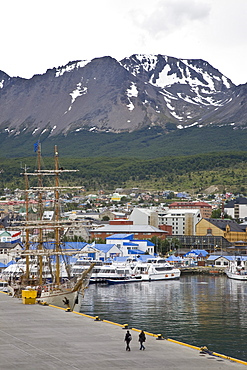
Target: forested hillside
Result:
[227, 171]
[144, 143]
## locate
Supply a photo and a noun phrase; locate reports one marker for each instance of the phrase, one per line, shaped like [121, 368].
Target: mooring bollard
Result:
[97, 318]
[126, 326]
[159, 337]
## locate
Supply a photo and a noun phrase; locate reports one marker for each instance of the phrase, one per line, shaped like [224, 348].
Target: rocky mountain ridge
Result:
[107, 95]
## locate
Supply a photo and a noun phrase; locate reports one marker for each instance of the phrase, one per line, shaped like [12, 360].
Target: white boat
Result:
[158, 269]
[112, 272]
[16, 270]
[82, 264]
[237, 269]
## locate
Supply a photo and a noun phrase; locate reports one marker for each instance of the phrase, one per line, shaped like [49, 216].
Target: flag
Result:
[35, 146]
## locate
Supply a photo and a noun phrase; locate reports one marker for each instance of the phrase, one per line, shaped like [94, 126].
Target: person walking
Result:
[142, 338]
[127, 339]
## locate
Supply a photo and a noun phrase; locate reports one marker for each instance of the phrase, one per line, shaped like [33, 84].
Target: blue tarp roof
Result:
[135, 251]
[197, 252]
[214, 257]
[133, 244]
[103, 247]
[174, 258]
[121, 236]
[2, 265]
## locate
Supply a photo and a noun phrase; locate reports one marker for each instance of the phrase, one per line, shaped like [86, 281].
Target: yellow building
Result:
[228, 229]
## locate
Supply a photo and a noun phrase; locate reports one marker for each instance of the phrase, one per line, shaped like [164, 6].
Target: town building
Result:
[102, 251]
[112, 215]
[140, 231]
[78, 229]
[9, 251]
[196, 256]
[144, 216]
[128, 245]
[237, 208]
[219, 261]
[229, 229]
[205, 208]
[183, 221]
[10, 236]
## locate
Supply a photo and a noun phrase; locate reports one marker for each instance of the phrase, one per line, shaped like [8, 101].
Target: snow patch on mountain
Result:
[132, 91]
[35, 130]
[70, 67]
[76, 93]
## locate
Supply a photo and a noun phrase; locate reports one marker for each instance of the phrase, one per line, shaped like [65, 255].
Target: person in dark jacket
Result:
[142, 338]
[127, 339]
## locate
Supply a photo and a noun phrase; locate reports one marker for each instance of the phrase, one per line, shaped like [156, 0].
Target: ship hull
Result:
[65, 299]
[236, 276]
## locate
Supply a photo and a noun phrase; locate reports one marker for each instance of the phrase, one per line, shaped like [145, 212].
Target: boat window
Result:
[96, 270]
[163, 268]
[120, 271]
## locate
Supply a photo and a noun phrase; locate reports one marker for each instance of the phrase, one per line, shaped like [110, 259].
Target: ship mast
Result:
[40, 247]
[27, 230]
[57, 217]
[41, 224]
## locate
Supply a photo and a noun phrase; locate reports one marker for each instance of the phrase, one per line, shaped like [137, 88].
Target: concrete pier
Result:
[49, 338]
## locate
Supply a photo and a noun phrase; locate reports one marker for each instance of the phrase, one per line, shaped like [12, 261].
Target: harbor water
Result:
[200, 310]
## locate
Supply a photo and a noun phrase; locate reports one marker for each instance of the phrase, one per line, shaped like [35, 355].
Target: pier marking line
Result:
[153, 335]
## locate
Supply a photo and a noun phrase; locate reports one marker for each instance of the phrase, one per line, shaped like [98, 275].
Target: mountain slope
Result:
[105, 95]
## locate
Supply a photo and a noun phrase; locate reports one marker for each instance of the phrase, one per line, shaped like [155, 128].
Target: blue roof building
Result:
[128, 245]
[102, 251]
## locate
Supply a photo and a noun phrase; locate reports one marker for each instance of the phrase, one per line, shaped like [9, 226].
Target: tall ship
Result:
[43, 244]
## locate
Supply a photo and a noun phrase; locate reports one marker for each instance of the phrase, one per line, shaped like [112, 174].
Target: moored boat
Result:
[156, 270]
[237, 269]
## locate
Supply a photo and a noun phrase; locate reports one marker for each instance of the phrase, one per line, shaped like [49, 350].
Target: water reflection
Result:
[200, 310]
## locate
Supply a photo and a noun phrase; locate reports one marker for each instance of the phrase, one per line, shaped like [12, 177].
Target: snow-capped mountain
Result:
[109, 95]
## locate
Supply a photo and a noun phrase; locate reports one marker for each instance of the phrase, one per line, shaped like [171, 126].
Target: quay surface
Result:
[48, 338]
[207, 270]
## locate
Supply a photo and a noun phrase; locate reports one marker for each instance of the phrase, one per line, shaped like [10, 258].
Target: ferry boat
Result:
[82, 264]
[112, 272]
[158, 269]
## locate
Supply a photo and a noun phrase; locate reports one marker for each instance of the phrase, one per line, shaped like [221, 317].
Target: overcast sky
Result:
[38, 35]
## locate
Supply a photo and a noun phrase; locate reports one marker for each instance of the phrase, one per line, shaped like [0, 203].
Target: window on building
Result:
[209, 231]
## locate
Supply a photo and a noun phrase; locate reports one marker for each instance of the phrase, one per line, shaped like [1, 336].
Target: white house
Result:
[102, 251]
[219, 261]
[9, 251]
[128, 245]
